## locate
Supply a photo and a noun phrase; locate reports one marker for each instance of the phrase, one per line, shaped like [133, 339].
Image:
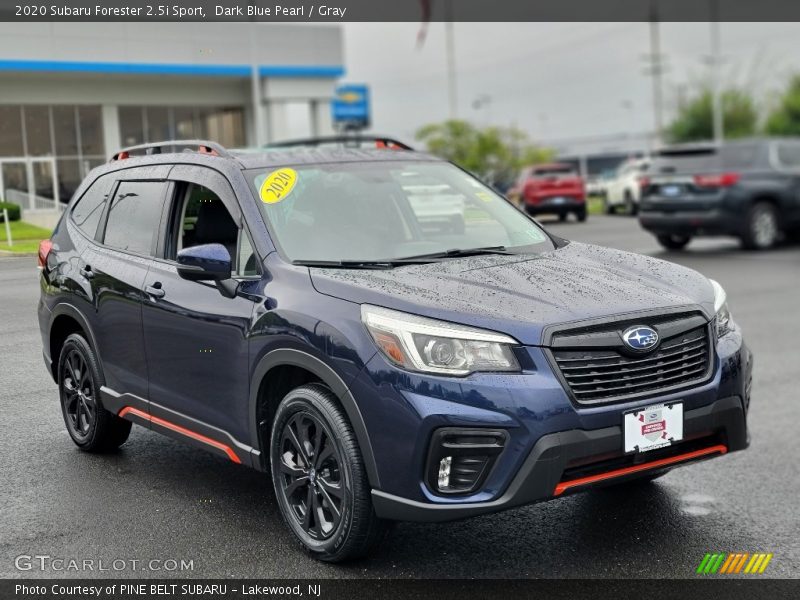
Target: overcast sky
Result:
[555, 80]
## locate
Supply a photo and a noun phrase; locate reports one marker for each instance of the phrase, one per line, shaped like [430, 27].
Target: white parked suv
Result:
[624, 190]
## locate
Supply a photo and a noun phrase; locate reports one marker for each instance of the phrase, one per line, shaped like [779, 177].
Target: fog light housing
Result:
[460, 459]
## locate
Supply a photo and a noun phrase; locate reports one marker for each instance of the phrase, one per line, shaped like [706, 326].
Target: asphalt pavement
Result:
[160, 500]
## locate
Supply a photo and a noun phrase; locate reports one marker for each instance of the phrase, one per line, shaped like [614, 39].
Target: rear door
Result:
[196, 339]
[116, 269]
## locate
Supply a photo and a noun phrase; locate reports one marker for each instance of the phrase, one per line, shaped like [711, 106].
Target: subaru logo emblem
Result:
[640, 338]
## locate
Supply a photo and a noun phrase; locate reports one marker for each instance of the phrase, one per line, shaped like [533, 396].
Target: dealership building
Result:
[73, 93]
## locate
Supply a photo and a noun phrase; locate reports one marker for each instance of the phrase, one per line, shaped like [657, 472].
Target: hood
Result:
[520, 295]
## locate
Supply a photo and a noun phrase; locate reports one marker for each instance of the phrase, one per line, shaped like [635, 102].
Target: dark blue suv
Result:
[385, 335]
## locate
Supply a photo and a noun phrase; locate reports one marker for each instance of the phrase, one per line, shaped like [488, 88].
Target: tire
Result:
[91, 427]
[581, 215]
[761, 227]
[311, 415]
[562, 217]
[673, 242]
[630, 204]
[608, 208]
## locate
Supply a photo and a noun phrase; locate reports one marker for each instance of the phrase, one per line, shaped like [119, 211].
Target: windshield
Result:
[374, 211]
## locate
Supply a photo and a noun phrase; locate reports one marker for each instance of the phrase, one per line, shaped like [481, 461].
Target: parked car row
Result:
[748, 189]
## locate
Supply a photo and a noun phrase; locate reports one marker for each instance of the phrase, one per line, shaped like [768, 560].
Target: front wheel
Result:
[319, 477]
[674, 242]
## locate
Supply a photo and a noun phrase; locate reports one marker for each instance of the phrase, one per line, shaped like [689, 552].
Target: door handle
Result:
[86, 271]
[155, 290]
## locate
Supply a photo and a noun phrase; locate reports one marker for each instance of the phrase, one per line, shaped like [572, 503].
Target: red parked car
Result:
[554, 188]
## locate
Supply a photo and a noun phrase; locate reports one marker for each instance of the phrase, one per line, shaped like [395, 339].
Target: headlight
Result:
[723, 317]
[422, 344]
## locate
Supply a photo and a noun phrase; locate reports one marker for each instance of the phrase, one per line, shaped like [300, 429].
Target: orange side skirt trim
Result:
[182, 430]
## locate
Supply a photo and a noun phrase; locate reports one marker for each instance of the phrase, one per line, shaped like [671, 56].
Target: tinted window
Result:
[135, 215]
[789, 154]
[89, 209]
[693, 160]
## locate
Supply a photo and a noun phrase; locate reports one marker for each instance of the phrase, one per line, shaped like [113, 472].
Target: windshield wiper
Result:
[361, 264]
[459, 252]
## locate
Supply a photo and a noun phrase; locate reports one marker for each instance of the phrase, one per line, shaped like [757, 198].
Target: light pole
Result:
[715, 63]
[450, 52]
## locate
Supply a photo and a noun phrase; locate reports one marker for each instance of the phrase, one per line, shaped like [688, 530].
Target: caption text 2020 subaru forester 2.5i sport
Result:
[287, 310]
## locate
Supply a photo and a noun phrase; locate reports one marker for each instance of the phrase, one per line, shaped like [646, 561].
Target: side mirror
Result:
[207, 262]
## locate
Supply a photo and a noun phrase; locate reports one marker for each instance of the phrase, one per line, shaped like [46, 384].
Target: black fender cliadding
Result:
[298, 358]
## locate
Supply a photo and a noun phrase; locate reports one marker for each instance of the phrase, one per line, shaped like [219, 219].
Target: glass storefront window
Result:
[69, 177]
[131, 125]
[185, 124]
[90, 123]
[66, 132]
[37, 130]
[158, 125]
[11, 131]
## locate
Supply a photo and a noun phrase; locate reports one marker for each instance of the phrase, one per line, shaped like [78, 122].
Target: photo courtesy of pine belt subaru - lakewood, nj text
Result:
[286, 309]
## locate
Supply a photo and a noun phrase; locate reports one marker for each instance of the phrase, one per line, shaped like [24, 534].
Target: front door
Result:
[196, 339]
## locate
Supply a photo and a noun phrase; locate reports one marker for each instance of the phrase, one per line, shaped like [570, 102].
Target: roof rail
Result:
[200, 146]
[380, 141]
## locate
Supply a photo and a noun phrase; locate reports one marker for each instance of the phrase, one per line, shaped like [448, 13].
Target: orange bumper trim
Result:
[565, 485]
[182, 430]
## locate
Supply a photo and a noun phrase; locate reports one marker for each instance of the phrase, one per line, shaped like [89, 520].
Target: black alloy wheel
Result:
[319, 476]
[312, 482]
[78, 396]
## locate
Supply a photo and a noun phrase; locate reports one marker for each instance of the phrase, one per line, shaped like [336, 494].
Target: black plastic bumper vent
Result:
[466, 456]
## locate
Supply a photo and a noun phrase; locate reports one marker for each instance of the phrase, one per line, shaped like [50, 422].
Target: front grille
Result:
[607, 374]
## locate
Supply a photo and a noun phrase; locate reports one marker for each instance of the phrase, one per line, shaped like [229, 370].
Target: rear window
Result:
[134, 216]
[789, 154]
[710, 158]
[88, 210]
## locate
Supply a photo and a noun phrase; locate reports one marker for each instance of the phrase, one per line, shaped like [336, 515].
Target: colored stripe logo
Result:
[734, 563]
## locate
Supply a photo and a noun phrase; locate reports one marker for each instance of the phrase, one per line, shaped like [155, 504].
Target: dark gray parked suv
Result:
[748, 189]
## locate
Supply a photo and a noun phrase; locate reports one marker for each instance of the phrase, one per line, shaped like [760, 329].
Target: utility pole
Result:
[450, 50]
[656, 69]
[715, 64]
[255, 87]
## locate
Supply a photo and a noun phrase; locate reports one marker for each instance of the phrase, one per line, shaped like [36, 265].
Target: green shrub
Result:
[13, 211]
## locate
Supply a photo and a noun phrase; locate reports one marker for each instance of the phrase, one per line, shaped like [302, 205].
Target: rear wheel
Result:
[562, 216]
[581, 214]
[761, 228]
[319, 477]
[673, 242]
[631, 207]
[90, 426]
[608, 208]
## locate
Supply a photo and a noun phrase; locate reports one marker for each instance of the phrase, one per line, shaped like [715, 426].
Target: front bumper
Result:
[551, 441]
[551, 468]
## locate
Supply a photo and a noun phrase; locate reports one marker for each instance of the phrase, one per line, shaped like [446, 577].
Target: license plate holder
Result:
[652, 427]
[670, 190]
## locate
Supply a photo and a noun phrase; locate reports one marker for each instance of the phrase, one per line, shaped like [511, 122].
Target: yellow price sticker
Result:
[278, 185]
